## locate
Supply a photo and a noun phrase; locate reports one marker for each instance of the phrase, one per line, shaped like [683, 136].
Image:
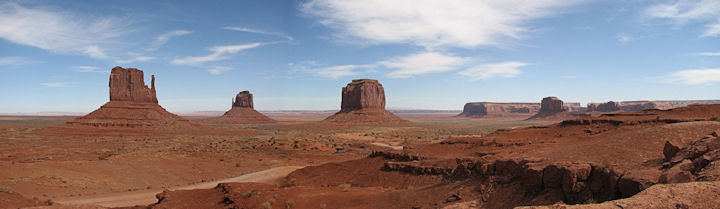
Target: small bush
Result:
[323, 206]
[288, 182]
[714, 117]
[289, 204]
[266, 205]
[251, 193]
[344, 187]
[6, 190]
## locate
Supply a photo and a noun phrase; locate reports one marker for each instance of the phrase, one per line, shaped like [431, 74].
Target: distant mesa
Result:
[492, 109]
[363, 101]
[133, 107]
[552, 108]
[241, 112]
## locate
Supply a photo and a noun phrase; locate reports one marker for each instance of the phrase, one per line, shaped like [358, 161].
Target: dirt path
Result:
[146, 197]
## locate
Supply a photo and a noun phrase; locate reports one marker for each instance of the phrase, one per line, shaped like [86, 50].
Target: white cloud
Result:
[624, 38]
[88, 69]
[10, 61]
[684, 11]
[136, 59]
[332, 72]
[250, 30]
[55, 84]
[217, 70]
[165, 37]
[218, 53]
[59, 32]
[709, 54]
[431, 23]
[422, 63]
[493, 70]
[696, 76]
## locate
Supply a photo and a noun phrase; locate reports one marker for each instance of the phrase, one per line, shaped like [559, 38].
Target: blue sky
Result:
[296, 55]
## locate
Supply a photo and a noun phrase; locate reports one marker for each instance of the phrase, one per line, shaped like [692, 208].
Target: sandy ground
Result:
[145, 197]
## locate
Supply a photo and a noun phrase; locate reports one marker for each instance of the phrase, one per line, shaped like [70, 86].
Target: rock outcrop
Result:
[133, 108]
[490, 109]
[603, 107]
[242, 112]
[129, 85]
[244, 99]
[363, 101]
[552, 108]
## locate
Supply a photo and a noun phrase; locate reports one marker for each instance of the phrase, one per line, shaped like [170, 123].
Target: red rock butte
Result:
[492, 109]
[552, 108]
[133, 107]
[241, 112]
[363, 101]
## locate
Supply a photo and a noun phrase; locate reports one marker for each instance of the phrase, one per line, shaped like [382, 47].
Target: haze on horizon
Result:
[297, 55]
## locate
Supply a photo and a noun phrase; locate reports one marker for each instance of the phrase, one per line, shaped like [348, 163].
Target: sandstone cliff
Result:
[490, 109]
[241, 112]
[363, 101]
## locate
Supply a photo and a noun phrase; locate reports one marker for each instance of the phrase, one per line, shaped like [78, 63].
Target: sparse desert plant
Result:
[266, 205]
[714, 117]
[251, 193]
[6, 190]
[323, 206]
[289, 204]
[288, 182]
[344, 187]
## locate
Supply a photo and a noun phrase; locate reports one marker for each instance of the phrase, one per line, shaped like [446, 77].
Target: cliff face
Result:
[551, 105]
[363, 94]
[129, 85]
[490, 109]
[363, 101]
[244, 99]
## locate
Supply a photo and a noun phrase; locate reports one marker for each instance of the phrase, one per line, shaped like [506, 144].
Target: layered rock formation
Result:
[552, 108]
[363, 101]
[490, 109]
[242, 112]
[603, 107]
[133, 107]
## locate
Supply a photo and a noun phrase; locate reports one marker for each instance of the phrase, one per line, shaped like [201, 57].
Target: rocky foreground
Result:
[648, 159]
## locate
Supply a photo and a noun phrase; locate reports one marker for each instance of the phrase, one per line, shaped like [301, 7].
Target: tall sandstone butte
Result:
[243, 99]
[363, 101]
[128, 84]
[241, 112]
[133, 108]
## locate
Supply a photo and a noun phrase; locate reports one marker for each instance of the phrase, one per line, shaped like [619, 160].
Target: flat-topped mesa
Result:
[492, 109]
[551, 105]
[244, 99]
[128, 84]
[363, 94]
[363, 101]
[603, 107]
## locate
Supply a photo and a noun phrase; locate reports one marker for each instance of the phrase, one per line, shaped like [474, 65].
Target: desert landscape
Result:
[408, 104]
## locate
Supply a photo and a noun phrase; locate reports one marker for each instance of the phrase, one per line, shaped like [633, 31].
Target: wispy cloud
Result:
[696, 76]
[165, 37]
[59, 31]
[218, 53]
[493, 70]
[430, 23]
[13, 61]
[624, 38]
[136, 59]
[217, 70]
[55, 84]
[708, 54]
[684, 11]
[251, 30]
[332, 72]
[422, 63]
[89, 69]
